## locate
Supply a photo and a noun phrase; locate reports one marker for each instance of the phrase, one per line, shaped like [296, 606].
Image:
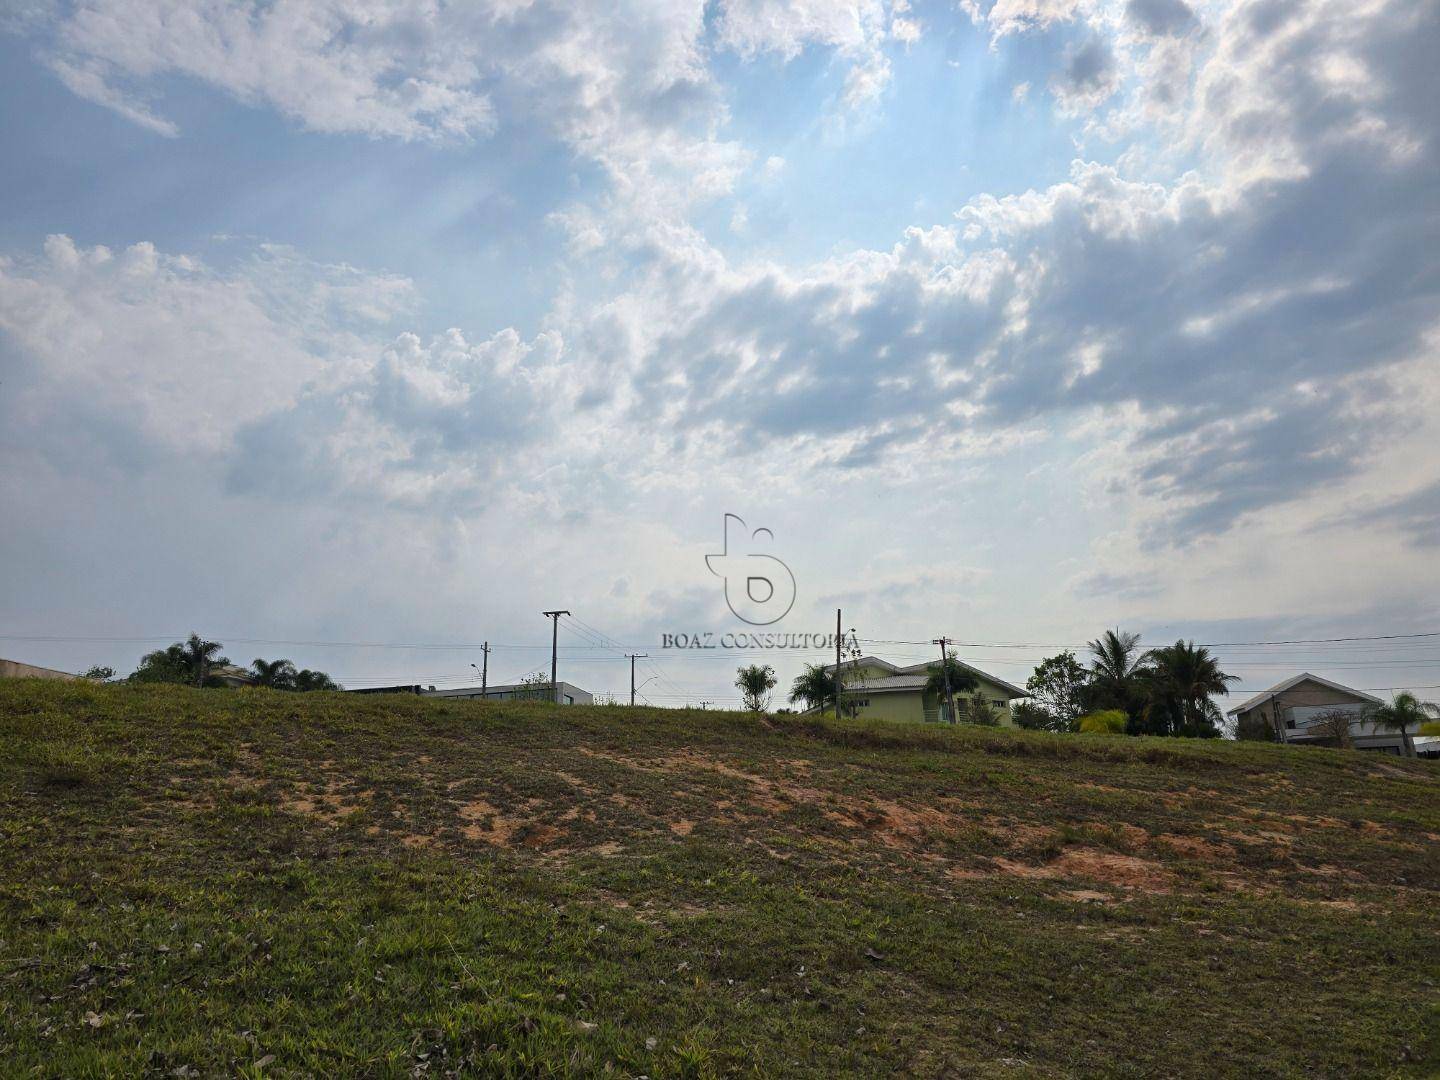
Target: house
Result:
[232, 676]
[569, 695]
[1294, 709]
[14, 669]
[880, 690]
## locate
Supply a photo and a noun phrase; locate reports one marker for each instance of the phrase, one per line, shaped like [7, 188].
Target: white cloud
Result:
[380, 69]
[177, 355]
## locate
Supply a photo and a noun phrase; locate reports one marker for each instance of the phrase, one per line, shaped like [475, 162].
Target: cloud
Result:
[856, 29]
[398, 71]
[1089, 77]
[1416, 514]
[174, 354]
[1160, 16]
[1244, 318]
[428, 422]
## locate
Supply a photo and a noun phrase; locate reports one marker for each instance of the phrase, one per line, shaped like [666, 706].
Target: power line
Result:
[601, 640]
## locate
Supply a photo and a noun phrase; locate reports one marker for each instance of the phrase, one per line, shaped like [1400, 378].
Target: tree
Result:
[1333, 724]
[1057, 688]
[276, 674]
[755, 683]
[305, 680]
[1104, 722]
[1254, 727]
[1115, 661]
[191, 662]
[977, 710]
[166, 665]
[201, 658]
[1031, 717]
[1179, 680]
[1403, 712]
[952, 678]
[535, 687]
[100, 673]
[815, 686]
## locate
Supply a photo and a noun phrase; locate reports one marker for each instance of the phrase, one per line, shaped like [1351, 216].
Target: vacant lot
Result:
[256, 883]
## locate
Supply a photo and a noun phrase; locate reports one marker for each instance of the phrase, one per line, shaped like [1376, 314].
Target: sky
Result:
[361, 332]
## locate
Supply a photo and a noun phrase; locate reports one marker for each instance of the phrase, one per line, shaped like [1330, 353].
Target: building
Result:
[880, 690]
[14, 669]
[231, 675]
[569, 694]
[1299, 708]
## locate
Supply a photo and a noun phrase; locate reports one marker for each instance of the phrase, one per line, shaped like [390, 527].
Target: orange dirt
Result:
[1193, 847]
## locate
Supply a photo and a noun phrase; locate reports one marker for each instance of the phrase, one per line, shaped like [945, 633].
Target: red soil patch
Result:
[1193, 847]
[1111, 868]
[1114, 869]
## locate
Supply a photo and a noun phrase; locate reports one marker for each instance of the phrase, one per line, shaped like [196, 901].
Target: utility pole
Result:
[484, 671]
[945, 671]
[705, 705]
[554, 617]
[633, 657]
[838, 682]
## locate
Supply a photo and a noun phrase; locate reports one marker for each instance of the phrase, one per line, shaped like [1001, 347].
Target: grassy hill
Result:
[255, 883]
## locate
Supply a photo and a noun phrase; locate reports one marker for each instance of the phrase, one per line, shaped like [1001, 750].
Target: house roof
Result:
[890, 682]
[922, 672]
[1280, 688]
[1010, 688]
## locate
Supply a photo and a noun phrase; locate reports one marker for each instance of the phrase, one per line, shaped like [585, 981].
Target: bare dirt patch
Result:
[328, 804]
[1114, 869]
[1194, 847]
[486, 824]
[1109, 867]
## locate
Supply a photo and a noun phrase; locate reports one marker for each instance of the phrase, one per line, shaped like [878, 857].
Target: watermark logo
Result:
[759, 588]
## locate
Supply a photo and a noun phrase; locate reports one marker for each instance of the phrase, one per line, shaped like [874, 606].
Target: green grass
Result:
[261, 884]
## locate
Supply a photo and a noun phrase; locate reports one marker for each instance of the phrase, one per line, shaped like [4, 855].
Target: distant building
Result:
[880, 690]
[569, 695]
[1294, 709]
[13, 669]
[231, 675]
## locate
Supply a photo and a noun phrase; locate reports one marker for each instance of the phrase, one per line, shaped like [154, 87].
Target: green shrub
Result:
[1104, 722]
[1432, 728]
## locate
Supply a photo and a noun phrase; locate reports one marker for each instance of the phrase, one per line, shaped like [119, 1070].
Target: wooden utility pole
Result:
[633, 658]
[554, 617]
[838, 681]
[945, 674]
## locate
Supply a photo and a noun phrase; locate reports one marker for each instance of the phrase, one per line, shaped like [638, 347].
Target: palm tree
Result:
[1181, 679]
[1406, 709]
[814, 686]
[951, 678]
[755, 683]
[199, 657]
[1114, 670]
[276, 674]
